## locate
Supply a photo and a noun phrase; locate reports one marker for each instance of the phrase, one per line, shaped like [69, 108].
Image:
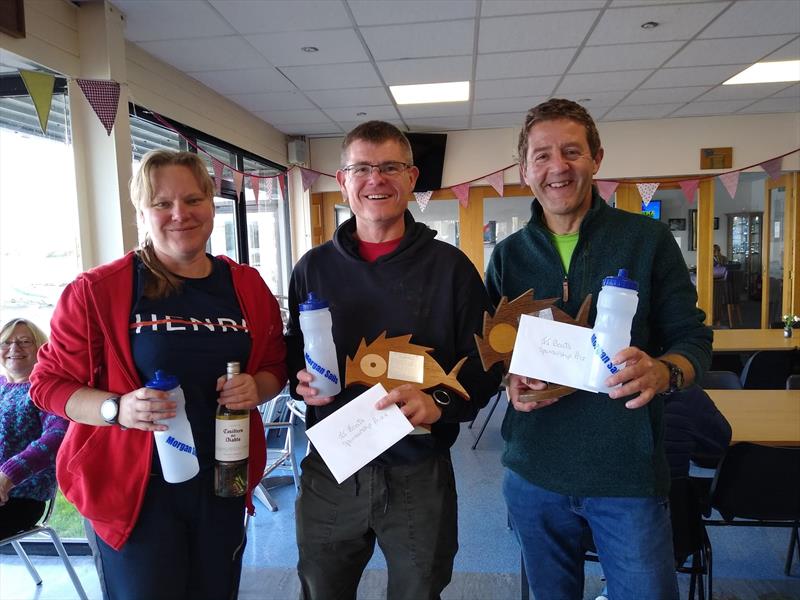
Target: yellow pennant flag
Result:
[40, 87]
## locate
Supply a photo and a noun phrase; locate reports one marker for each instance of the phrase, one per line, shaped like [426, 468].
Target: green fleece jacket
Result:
[587, 444]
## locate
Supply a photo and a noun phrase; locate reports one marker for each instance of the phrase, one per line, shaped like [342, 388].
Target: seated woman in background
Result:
[29, 438]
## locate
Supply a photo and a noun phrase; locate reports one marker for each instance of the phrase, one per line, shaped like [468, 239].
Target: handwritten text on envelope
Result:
[358, 432]
[552, 351]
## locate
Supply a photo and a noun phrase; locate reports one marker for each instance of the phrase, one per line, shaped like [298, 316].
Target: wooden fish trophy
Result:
[500, 334]
[394, 361]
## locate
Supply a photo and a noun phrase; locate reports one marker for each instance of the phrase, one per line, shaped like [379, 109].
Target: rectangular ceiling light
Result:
[768, 72]
[427, 93]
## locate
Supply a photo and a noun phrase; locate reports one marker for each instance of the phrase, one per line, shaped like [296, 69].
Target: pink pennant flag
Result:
[282, 184]
[689, 188]
[238, 179]
[255, 185]
[730, 181]
[462, 193]
[217, 166]
[606, 189]
[309, 177]
[422, 199]
[773, 167]
[103, 97]
[646, 191]
[496, 181]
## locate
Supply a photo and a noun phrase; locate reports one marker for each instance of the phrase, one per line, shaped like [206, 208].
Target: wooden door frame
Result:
[791, 227]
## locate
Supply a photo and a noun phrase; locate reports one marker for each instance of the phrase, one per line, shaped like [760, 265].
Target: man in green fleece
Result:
[589, 461]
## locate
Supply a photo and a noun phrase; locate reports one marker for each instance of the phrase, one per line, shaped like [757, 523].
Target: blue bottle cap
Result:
[313, 303]
[163, 381]
[621, 281]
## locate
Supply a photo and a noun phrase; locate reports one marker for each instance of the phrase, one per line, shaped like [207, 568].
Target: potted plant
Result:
[788, 322]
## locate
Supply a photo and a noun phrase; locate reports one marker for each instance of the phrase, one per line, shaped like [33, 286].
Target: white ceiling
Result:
[515, 53]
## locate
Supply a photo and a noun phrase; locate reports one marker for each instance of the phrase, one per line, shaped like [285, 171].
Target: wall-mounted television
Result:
[428, 149]
[652, 210]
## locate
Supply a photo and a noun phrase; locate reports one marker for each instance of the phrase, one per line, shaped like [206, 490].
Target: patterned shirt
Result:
[29, 440]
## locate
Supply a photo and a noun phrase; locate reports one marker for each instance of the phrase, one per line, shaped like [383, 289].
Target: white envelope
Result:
[358, 432]
[552, 351]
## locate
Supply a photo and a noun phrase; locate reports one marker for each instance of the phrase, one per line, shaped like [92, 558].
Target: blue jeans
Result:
[633, 538]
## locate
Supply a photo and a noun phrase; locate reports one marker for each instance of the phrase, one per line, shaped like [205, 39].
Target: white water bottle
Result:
[176, 449]
[319, 350]
[616, 306]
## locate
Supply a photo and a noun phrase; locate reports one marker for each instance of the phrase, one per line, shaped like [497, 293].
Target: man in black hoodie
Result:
[383, 272]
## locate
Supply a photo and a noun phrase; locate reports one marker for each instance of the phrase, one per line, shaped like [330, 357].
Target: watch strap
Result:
[675, 376]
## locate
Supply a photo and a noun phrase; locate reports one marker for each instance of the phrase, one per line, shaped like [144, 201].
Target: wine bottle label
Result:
[232, 440]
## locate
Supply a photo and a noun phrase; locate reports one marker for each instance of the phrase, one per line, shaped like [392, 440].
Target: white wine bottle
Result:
[231, 447]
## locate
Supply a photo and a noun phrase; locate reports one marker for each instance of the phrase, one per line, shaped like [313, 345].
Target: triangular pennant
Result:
[255, 185]
[462, 193]
[496, 181]
[282, 182]
[606, 189]
[422, 199]
[238, 178]
[730, 181]
[646, 191]
[309, 177]
[268, 184]
[773, 167]
[40, 87]
[689, 188]
[103, 97]
[217, 166]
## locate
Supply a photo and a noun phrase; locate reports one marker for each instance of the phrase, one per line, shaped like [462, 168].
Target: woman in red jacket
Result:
[167, 306]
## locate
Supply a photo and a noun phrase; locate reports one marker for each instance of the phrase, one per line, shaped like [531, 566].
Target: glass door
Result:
[778, 237]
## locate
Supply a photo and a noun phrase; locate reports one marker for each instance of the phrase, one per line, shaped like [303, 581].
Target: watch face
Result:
[109, 409]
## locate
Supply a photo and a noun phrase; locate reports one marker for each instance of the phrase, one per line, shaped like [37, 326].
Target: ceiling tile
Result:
[439, 109]
[350, 113]
[632, 113]
[271, 101]
[665, 95]
[437, 124]
[245, 81]
[601, 82]
[725, 107]
[623, 57]
[426, 70]
[676, 22]
[772, 105]
[790, 51]
[374, 96]
[307, 128]
[205, 54]
[527, 32]
[281, 117]
[501, 120]
[514, 88]
[743, 92]
[688, 76]
[349, 125]
[791, 91]
[518, 105]
[523, 64]
[332, 77]
[497, 8]
[450, 38]
[369, 12]
[247, 16]
[595, 98]
[166, 19]
[284, 49]
[728, 51]
[760, 17]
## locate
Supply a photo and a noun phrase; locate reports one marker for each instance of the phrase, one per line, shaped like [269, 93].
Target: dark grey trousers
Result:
[411, 510]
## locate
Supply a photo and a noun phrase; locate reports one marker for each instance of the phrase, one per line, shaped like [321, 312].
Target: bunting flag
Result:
[689, 188]
[238, 178]
[646, 191]
[496, 181]
[773, 167]
[40, 86]
[268, 186]
[309, 177]
[731, 182]
[462, 193]
[422, 199]
[255, 185]
[606, 189]
[103, 97]
[217, 166]
[282, 185]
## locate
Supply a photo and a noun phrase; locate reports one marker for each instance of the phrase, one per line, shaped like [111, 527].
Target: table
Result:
[750, 340]
[770, 417]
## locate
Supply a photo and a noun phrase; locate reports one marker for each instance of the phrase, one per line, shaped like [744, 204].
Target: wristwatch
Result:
[441, 397]
[675, 377]
[109, 410]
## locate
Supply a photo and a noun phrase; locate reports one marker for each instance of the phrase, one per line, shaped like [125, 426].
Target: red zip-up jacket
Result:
[104, 471]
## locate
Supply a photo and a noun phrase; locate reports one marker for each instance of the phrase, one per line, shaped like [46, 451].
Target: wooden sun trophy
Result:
[500, 334]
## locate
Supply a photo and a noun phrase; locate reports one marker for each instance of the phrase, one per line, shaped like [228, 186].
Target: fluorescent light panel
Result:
[768, 72]
[427, 93]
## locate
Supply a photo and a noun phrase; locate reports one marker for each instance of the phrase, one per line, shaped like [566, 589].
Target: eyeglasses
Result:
[390, 169]
[23, 343]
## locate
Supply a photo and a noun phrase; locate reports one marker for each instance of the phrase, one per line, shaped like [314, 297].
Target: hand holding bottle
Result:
[240, 392]
[145, 408]
[305, 388]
